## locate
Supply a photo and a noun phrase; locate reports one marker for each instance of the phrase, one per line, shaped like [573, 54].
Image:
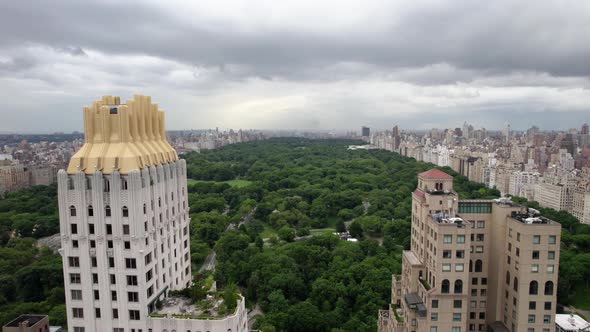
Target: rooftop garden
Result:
[200, 301]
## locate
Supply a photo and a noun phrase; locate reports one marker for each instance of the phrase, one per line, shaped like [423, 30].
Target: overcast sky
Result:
[299, 64]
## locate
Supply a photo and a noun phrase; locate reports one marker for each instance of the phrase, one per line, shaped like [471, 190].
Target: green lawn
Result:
[233, 183]
[268, 232]
[322, 231]
[581, 298]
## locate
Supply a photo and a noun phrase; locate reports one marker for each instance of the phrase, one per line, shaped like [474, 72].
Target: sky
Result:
[299, 64]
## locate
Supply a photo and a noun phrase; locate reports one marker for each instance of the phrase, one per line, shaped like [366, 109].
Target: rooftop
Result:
[571, 322]
[211, 307]
[435, 173]
[32, 319]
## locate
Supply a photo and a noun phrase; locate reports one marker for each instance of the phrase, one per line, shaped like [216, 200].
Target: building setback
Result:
[124, 224]
[474, 265]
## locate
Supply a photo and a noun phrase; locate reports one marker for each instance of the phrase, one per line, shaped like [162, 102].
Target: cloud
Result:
[303, 64]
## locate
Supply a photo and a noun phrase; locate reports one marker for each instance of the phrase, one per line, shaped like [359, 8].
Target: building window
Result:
[551, 255]
[132, 296]
[125, 229]
[549, 288]
[550, 268]
[515, 286]
[90, 211]
[130, 263]
[115, 313]
[460, 238]
[109, 229]
[535, 254]
[447, 238]
[546, 319]
[479, 237]
[456, 329]
[456, 317]
[457, 304]
[75, 278]
[460, 253]
[459, 267]
[72, 211]
[96, 294]
[433, 329]
[434, 316]
[125, 211]
[481, 224]
[113, 295]
[73, 261]
[552, 239]
[534, 268]
[95, 278]
[107, 211]
[532, 305]
[78, 329]
[134, 314]
[478, 249]
[533, 288]
[536, 239]
[127, 244]
[111, 262]
[76, 294]
[458, 286]
[445, 286]
[447, 253]
[434, 303]
[547, 306]
[531, 319]
[113, 279]
[78, 312]
[74, 229]
[478, 265]
[446, 267]
[131, 280]
[91, 228]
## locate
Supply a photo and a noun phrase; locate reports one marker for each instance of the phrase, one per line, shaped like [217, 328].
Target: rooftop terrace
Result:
[212, 307]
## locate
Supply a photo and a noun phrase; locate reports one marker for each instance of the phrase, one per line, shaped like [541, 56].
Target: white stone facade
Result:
[125, 244]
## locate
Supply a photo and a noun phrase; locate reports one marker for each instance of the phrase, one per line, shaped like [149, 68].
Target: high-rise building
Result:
[365, 131]
[474, 265]
[124, 226]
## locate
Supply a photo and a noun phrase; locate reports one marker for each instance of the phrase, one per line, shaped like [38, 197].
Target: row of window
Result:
[79, 313]
[533, 285]
[551, 239]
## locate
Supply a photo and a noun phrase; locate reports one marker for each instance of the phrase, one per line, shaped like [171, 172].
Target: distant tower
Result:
[584, 129]
[506, 132]
[365, 132]
[124, 223]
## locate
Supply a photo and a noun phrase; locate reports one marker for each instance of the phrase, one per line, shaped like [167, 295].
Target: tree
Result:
[356, 229]
[286, 234]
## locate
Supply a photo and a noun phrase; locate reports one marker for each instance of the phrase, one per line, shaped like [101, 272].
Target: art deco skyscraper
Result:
[123, 218]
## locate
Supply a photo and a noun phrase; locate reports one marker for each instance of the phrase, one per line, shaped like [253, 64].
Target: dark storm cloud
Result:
[299, 64]
[485, 38]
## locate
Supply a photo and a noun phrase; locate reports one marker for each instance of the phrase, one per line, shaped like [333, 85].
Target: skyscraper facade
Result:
[124, 224]
[473, 265]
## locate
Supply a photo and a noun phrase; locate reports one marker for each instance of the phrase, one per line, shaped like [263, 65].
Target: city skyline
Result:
[299, 65]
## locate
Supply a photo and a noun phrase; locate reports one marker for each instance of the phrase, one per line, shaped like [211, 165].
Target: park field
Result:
[233, 183]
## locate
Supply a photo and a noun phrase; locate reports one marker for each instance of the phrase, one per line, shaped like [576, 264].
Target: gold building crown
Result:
[122, 137]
